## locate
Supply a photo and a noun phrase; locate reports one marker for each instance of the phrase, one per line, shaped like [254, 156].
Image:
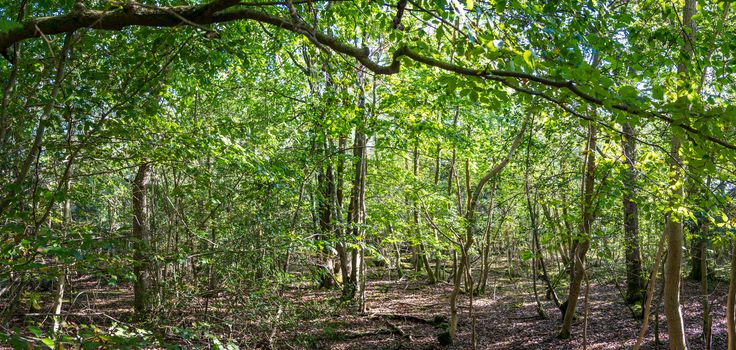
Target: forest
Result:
[368, 174]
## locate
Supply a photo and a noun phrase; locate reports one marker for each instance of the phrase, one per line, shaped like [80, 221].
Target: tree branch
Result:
[222, 11]
[498, 167]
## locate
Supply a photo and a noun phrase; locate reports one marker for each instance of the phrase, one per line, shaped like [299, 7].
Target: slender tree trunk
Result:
[651, 287]
[535, 228]
[486, 253]
[673, 226]
[326, 204]
[355, 212]
[731, 302]
[61, 279]
[458, 277]
[469, 217]
[342, 251]
[422, 251]
[67, 215]
[450, 178]
[141, 231]
[673, 312]
[584, 241]
[438, 272]
[707, 322]
[634, 280]
[8, 90]
[697, 246]
[399, 269]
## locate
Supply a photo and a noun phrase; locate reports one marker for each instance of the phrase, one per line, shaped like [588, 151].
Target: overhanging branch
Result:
[222, 11]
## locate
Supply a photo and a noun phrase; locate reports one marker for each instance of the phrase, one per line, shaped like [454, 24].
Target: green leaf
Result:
[48, 342]
[526, 255]
[500, 6]
[35, 330]
[528, 58]
[628, 92]
[19, 343]
[658, 92]
[469, 4]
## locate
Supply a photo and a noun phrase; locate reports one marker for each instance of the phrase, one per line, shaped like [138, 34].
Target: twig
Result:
[275, 329]
[211, 34]
[398, 331]
[46, 39]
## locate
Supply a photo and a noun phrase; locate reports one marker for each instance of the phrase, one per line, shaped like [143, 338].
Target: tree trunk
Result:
[707, 322]
[67, 220]
[399, 270]
[486, 251]
[634, 280]
[581, 248]
[673, 230]
[422, 251]
[36, 146]
[61, 279]
[355, 210]
[698, 247]
[535, 230]
[326, 185]
[459, 273]
[342, 251]
[469, 217]
[438, 271]
[142, 233]
[731, 300]
[651, 287]
[673, 226]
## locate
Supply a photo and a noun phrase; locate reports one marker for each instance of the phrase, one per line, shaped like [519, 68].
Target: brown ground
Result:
[505, 318]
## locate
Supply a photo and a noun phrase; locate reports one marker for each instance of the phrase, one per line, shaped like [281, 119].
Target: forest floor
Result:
[506, 318]
[399, 316]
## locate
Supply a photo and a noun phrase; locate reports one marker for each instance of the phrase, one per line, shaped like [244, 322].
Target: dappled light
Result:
[367, 174]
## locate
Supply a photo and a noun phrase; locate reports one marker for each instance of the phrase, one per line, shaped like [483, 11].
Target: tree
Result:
[143, 287]
[583, 240]
[220, 156]
[466, 242]
[673, 226]
[634, 280]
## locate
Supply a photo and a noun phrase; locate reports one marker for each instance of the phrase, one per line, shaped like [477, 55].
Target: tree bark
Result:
[67, 220]
[634, 280]
[9, 87]
[698, 245]
[731, 301]
[673, 226]
[326, 183]
[581, 248]
[535, 232]
[142, 233]
[707, 322]
[422, 251]
[486, 252]
[650, 293]
[355, 212]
